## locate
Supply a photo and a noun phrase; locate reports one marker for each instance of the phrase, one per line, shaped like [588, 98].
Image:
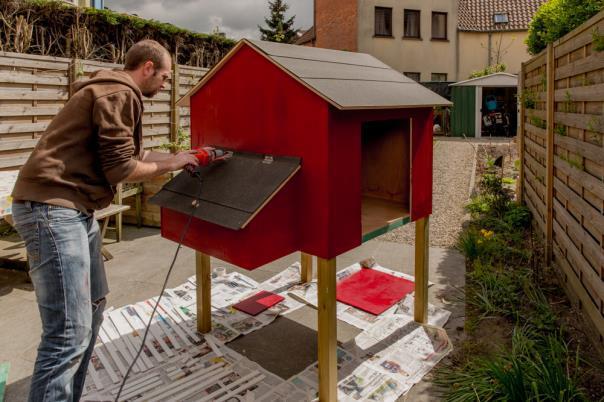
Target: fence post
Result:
[521, 98]
[174, 96]
[549, 164]
[74, 73]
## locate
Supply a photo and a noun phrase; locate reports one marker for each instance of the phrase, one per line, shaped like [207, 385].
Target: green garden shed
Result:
[485, 106]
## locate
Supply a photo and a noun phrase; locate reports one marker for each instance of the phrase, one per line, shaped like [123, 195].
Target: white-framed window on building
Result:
[439, 25]
[383, 21]
[500, 18]
[413, 75]
[438, 77]
[412, 24]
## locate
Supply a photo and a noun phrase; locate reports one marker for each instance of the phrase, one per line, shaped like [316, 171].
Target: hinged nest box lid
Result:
[232, 192]
[346, 80]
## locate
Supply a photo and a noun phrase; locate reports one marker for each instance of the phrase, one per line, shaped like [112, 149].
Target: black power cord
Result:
[194, 205]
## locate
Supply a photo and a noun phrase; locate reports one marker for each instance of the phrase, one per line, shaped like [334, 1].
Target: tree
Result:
[278, 28]
[556, 18]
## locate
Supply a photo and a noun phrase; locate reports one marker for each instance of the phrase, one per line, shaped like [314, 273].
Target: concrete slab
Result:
[138, 270]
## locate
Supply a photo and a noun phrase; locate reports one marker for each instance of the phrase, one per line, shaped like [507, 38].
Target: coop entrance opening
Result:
[386, 175]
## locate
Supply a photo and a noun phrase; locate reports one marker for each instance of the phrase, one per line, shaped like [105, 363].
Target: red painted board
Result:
[373, 291]
[270, 235]
[421, 165]
[251, 105]
[259, 302]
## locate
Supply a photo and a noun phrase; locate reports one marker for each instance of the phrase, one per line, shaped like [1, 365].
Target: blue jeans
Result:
[66, 268]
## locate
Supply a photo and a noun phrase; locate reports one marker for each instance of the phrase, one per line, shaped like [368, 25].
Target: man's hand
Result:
[156, 163]
[184, 159]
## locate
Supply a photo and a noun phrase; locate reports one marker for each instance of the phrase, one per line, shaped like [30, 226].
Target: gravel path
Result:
[453, 167]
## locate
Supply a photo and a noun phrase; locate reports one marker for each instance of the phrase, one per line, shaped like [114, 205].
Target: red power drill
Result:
[209, 155]
[206, 156]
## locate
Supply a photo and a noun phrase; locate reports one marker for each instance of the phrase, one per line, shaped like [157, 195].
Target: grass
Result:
[536, 368]
[504, 281]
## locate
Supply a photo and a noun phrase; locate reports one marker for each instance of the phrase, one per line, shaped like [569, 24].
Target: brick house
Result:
[438, 40]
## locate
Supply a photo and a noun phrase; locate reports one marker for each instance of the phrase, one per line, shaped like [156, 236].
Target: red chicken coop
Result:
[331, 149]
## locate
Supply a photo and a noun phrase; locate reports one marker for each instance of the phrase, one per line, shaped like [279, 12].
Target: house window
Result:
[439, 25]
[500, 18]
[413, 76]
[383, 21]
[412, 24]
[439, 77]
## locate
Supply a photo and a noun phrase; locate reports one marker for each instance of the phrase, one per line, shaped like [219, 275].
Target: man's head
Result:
[150, 66]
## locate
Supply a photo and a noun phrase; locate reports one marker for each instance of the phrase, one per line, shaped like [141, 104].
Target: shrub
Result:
[555, 18]
[518, 216]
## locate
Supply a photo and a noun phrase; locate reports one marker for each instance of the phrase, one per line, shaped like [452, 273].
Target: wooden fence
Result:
[34, 88]
[562, 154]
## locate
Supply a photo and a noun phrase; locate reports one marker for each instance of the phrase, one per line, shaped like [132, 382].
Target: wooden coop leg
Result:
[422, 247]
[204, 292]
[306, 267]
[326, 293]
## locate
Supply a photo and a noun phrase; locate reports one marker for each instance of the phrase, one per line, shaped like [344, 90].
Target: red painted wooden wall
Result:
[252, 105]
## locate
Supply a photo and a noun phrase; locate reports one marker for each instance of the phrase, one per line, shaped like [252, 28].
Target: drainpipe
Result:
[457, 55]
[314, 21]
[490, 47]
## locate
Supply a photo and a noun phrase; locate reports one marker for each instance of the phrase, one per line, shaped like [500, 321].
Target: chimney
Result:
[336, 24]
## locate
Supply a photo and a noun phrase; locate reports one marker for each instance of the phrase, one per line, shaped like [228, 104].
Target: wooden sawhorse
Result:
[104, 215]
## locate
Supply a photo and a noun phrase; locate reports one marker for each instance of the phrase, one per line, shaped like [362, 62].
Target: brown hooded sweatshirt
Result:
[89, 147]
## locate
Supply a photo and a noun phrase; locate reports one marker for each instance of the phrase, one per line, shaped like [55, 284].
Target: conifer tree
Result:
[278, 28]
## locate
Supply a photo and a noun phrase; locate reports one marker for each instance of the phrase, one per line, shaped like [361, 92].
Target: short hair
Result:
[143, 51]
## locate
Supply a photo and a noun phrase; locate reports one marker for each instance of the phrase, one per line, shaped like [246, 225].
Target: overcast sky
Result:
[237, 18]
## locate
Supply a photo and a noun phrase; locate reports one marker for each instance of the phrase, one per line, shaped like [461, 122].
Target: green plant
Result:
[577, 164]
[468, 246]
[61, 30]
[529, 99]
[536, 368]
[544, 81]
[182, 143]
[538, 122]
[478, 205]
[561, 130]
[555, 18]
[597, 40]
[518, 216]
[568, 105]
[493, 289]
[594, 123]
[496, 68]
[508, 180]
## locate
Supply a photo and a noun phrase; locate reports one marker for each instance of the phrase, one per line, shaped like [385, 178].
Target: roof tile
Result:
[478, 15]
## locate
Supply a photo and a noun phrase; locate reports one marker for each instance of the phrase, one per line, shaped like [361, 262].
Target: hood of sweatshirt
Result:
[109, 76]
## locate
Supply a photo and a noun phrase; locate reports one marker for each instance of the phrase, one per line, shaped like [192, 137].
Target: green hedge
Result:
[58, 29]
[556, 18]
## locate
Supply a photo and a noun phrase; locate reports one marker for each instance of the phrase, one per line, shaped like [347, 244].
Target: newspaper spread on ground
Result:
[196, 373]
[307, 293]
[178, 363]
[173, 331]
[387, 366]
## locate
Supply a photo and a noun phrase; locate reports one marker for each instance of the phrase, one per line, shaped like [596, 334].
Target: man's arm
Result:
[157, 163]
[114, 116]
[152, 156]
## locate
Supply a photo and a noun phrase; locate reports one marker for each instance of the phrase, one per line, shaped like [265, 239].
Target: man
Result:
[94, 143]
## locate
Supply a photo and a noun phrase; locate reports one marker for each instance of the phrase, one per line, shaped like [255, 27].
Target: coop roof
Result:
[491, 80]
[346, 80]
